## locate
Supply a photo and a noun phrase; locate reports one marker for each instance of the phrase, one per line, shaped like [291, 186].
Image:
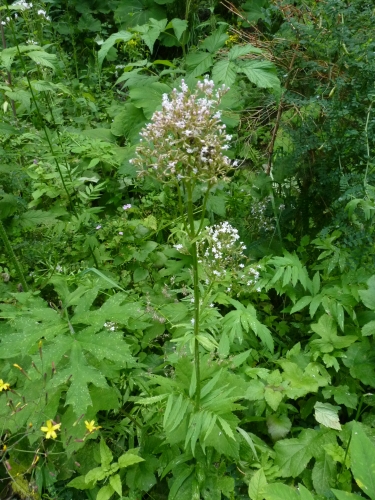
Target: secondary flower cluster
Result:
[224, 251]
[186, 139]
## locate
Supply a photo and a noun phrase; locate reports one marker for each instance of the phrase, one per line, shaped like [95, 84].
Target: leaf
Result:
[345, 495]
[121, 36]
[242, 50]
[80, 484]
[115, 482]
[342, 395]
[215, 41]
[293, 455]
[80, 375]
[326, 328]
[368, 329]
[368, 296]
[257, 485]
[273, 397]
[106, 456]
[198, 63]
[149, 97]
[326, 415]
[324, 475]
[278, 491]
[362, 460]
[94, 475]
[8, 205]
[43, 58]
[179, 26]
[137, 12]
[105, 492]
[301, 303]
[360, 359]
[113, 348]
[224, 72]
[33, 218]
[152, 33]
[129, 459]
[129, 122]
[22, 96]
[261, 73]
[278, 426]
[304, 493]
[140, 274]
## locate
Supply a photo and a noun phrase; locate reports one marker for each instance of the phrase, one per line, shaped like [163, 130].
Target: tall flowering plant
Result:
[184, 145]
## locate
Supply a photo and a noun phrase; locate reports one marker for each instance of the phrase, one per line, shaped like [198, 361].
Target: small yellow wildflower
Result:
[90, 426]
[50, 429]
[3, 385]
[18, 367]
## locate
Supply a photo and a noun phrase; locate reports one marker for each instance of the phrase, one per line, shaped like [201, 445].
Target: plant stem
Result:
[13, 257]
[194, 253]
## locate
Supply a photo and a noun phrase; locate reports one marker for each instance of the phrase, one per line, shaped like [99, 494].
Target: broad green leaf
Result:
[368, 296]
[129, 122]
[326, 415]
[215, 41]
[224, 72]
[342, 395]
[80, 375]
[278, 426]
[33, 218]
[129, 459]
[43, 58]
[94, 475]
[102, 346]
[345, 495]
[152, 34]
[362, 460]
[293, 455]
[360, 359]
[149, 98]
[261, 73]
[301, 303]
[279, 491]
[179, 26]
[106, 456]
[257, 485]
[80, 483]
[137, 12]
[273, 397]
[21, 96]
[242, 50]
[140, 274]
[255, 391]
[324, 475]
[368, 329]
[304, 493]
[224, 345]
[198, 63]
[8, 205]
[105, 492]
[121, 36]
[115, 482]
[249, 441]
[329, 341]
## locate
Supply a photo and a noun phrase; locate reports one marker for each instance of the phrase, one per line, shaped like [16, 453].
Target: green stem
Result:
[13, 257]
[194, 254]
[367, 145]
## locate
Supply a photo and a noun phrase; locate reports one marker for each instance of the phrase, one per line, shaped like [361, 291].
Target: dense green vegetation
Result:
[187, 284]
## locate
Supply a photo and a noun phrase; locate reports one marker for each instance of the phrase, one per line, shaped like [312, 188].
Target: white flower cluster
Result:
[186, 139]
[110, 325]
[22, 5]
[43, 13]
[259, 220]
[224, 250]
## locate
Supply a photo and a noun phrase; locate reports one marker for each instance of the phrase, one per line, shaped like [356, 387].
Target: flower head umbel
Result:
[4, 386]
[50, 429]
[186, 139]
[90, 426]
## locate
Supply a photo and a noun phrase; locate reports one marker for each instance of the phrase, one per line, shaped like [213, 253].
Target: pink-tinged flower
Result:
[126, 207]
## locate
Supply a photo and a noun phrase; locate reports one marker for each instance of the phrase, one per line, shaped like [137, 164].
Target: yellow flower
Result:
[3, 386]
[90, 426]
[50, 429]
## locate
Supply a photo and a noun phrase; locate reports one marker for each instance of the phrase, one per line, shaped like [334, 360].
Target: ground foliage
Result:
[204, 330]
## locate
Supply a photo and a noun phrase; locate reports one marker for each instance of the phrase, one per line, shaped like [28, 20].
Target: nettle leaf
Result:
[80, 375]
[149, 97]
[368, 296]
[224, 72]
[215, 41]
[260, 73]
[33, 218]
[257, 485]
[106, 456]
[242, 50]
[327, 415]
[293, 455]
[129, 122]
[121, 36]
[362, 460]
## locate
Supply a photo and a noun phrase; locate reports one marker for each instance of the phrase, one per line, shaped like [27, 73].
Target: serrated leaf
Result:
[179, 26]
[94, 475]
[43, 58]
[102, 346]
[115, 482]
[368, 296]
[105, 492]
[301, 303]
[257, 485]
[33, 218]
[198, 63]
[360, 358]
[129, 459]
[324, 475]
[121, 36]
[106, 456]
[224, 72]
[80, 484]
[362, 460]
[215, 41]
[327, 415]
[129, 122]
[278, 491]
[149, 97]
[242, 50]
[137, 12]
[293, 455]
[261, 73]
[368, 329]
